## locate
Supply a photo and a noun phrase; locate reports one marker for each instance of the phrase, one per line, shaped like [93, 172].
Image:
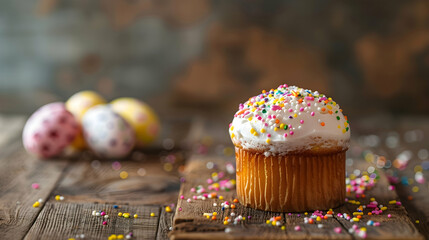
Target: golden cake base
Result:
[290, 183]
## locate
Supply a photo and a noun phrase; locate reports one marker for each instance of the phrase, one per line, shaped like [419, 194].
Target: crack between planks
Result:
[344, 228]
[63, 172]
[159, 220]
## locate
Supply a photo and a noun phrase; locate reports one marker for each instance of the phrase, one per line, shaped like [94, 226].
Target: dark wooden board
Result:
[82, 182]
[190, 223]
[418, 207]
[399, 226]
[78, 182]
[62, 220]
[165, 223]
[18, 171]
[103, 184]
[412, 135]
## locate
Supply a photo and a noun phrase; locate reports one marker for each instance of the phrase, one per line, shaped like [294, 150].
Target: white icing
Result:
[306, 135]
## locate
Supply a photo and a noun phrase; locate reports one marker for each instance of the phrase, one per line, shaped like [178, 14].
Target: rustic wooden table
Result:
[149, 181]
[86, 183]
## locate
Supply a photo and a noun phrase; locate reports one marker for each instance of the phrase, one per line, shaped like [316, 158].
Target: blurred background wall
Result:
[196, 56]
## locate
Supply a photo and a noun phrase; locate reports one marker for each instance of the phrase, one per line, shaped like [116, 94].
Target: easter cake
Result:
[290, 146]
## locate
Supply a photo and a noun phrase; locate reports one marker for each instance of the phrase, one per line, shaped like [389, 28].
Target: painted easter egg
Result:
[49, 130]
[78, 104]
[107, 133]
[141, 117]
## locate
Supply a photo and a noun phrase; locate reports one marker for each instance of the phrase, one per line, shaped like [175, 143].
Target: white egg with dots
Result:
[107, 133]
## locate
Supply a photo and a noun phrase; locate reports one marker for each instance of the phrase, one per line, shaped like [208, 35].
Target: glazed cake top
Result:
[289, 119]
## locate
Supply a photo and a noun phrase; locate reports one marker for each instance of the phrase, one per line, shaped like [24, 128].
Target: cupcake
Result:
[290, 148]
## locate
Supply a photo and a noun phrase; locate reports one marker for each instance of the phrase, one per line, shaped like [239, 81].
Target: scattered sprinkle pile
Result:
[120, 236]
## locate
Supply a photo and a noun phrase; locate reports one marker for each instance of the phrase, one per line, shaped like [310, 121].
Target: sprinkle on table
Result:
[123, 175]
[36, 204]
[59, 198]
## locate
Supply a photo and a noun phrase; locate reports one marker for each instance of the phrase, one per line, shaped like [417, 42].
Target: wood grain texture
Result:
[18, 171]
[101, 183]
[86, 182]
[78, 182]
[61, 220]
[190, 223]
[92, 179]
[165, 223]
[418, 207]
[398, 226]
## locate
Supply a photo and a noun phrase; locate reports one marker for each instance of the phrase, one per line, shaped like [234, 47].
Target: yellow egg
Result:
[140, 116]
[79, 142]
[78, 104]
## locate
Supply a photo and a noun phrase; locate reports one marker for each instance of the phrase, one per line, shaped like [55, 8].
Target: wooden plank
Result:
[18, 170]
[89, 179]
[165, 224]
[62, 220]
[153, 176]
[191, 224]
[398, 226]
[417, 208]
[412, 135]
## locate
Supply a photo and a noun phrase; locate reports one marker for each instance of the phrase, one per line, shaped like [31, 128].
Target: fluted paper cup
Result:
[290, 183]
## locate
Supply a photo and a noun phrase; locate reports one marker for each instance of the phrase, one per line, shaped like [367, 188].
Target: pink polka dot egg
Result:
[49, 130]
